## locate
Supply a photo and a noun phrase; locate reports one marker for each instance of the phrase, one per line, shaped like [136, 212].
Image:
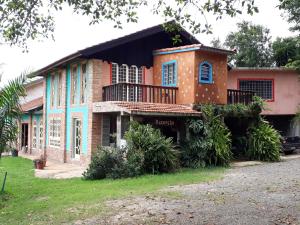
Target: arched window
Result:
[205, 73]
[132, 76]
[123, 73]
[114, 73]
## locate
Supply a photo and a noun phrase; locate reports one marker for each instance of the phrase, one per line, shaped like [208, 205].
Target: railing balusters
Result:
[238, 96]
[139, 93]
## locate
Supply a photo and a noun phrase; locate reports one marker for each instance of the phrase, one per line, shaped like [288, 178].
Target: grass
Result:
[31, 200]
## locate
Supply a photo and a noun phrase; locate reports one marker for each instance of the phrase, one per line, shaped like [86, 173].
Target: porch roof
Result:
[34, 105]
[145, 108]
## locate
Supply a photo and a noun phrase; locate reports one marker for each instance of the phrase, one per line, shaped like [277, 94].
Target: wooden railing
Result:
[238, 96]
[139, 93]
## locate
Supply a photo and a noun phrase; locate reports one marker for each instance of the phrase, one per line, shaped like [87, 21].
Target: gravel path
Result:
[256, 195]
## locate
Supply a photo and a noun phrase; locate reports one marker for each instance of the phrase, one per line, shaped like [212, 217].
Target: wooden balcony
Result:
[140, 93]
[238, 96]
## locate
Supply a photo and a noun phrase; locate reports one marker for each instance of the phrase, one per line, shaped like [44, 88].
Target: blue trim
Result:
[25, 117]
[175, 73]
[76, 108]
[176, 51]
[210, 78]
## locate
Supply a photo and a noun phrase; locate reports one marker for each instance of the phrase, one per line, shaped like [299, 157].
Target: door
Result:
[24, 138]
[76, 139]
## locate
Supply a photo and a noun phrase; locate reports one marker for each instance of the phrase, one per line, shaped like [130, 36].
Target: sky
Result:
[73, 33]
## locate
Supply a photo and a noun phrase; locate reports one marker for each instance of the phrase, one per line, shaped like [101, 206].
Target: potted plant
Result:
[40, 163]
[14, 152]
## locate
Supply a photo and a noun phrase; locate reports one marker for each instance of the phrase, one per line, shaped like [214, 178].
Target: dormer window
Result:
[205, 73]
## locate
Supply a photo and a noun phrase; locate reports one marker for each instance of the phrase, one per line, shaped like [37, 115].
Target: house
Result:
[279, 87]
[31, 136]
[90, 96]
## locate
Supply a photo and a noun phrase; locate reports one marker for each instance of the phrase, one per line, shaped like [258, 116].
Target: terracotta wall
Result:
[189, 89]
[212, 93]
[185, 74]
[286, 89]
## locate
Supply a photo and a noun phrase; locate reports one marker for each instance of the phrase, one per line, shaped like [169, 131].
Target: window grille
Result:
[262, 88]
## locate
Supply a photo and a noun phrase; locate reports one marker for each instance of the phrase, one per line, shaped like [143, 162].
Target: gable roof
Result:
[141, 43]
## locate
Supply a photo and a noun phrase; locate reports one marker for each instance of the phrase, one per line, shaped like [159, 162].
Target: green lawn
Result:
[30, 200]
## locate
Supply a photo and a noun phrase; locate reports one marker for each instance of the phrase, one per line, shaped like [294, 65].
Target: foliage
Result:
[286, 50]
[22, 20]
[106, 162]
[158, 151]
[147, 152]
[43, 201]
[253, 45]
[292, 10]
[209, 141]
[10, 111]
[263, 142]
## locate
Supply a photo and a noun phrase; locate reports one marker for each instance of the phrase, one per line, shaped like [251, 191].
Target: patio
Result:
[57, 170]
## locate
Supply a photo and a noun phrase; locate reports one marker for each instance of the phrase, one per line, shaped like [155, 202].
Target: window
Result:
[52, 90]
[34, 134]
[59, 84]
[205, 73]
[169, 75]
[74, 84]
[41, 129]
[122, 76]
[54, 132]
[125, 74]
[77, 138]
[114, 71]
[262, 88]
[84, 83]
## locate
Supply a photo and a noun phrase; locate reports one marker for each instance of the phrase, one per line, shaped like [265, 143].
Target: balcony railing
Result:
[238, 96]
[139, 93]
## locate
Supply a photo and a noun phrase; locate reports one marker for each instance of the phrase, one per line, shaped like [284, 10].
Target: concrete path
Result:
[57, 170]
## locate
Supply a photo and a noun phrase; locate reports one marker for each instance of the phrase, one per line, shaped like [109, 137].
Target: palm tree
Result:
[10, 110]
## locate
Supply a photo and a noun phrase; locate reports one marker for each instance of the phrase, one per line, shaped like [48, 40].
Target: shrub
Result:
[263, 142]
[209, 142]
[106, 162]
[151, 148]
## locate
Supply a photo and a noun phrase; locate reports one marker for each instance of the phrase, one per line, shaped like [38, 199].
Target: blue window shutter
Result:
[205, 73]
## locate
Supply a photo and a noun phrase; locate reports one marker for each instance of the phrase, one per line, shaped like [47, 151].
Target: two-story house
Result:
[91, 95]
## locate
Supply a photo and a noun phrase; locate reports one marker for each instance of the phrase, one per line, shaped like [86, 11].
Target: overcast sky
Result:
[73, 33]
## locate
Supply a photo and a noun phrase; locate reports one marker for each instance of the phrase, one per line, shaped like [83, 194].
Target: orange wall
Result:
[189, 90]
[286, 89]
[185, 74]
[216, 92]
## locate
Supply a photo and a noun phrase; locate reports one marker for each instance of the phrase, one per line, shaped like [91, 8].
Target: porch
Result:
[132, 92]
[116, 116]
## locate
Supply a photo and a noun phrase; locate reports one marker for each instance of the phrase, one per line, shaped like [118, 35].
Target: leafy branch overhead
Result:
[22, 20]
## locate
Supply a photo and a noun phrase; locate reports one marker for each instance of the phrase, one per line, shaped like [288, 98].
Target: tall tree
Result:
[21, 20]
[253, 45]
[10, 111]
[292, 12]
[286, 50]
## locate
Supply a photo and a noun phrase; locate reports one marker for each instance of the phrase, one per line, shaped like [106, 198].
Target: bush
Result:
[263, 142]
[106, 163]
[151, 148]
[209, 142]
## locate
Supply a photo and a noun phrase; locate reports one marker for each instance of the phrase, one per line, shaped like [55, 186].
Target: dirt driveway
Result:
[257, 195]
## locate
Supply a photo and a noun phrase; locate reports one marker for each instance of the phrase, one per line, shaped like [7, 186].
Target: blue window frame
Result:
[169, 73]
[205, 73]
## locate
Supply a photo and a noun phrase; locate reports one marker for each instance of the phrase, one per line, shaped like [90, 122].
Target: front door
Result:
[76, 138]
